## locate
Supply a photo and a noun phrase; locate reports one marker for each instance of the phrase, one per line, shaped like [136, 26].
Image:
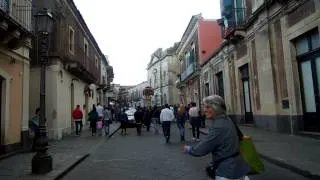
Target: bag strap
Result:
[239, 132]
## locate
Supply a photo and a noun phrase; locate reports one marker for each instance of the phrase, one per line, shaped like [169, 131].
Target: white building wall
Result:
[58, 99]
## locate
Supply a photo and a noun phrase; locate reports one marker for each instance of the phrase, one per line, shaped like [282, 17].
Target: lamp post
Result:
[42, 161]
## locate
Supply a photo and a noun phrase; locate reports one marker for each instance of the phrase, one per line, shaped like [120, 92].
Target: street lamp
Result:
[42, 161]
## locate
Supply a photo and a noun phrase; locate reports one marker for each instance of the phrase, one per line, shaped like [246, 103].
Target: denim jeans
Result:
[78, 126]
[166, 128]
[181, 128]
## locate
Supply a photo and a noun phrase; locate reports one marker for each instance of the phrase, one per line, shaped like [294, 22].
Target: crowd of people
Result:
[222, 142]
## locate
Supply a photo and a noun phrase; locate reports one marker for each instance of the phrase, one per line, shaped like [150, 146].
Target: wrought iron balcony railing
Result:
[19, 10]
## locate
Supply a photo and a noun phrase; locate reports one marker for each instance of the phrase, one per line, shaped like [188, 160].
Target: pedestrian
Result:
[124, 122]
[138, 117]
[156, 118]
[166, 117]
[107, 120]
[77, 116]
[195, 121]
[93, 118]
[34, 124]
[147, 118]
[181, 120]
[222, 142]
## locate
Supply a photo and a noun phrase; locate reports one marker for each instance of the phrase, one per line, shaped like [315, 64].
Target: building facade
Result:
[15, 45]
[106, 77]
[163, 70]
[272, 66]
[136, 97]
[73, 72]
[200, 39]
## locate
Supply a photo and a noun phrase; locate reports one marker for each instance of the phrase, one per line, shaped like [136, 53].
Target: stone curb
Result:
[73, 165]
[284, 165]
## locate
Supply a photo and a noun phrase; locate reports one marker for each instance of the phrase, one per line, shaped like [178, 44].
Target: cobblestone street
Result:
[148, 157]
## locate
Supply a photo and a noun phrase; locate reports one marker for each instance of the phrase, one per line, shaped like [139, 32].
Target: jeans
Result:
[78, 127]
[195, 123]
[106, 125]
[166, 128]
[181, 128]
[93, 127]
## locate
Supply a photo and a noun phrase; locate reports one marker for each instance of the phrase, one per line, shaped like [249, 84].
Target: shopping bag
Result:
[99, 125]
[250, 155]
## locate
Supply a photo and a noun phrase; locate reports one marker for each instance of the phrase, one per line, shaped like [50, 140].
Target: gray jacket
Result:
[222, 141]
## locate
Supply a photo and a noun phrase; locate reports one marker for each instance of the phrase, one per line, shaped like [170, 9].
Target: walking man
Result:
[195, 121]
[166, 116]
[138, 116]
[77, 116]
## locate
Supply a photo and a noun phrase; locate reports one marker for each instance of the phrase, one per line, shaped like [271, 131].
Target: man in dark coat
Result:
[138, 116]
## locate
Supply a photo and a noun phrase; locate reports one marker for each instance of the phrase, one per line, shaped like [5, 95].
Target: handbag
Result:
[249, 153]
[211, 169]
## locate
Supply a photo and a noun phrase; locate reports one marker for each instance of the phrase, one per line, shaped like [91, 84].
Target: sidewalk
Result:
[296, 153]
[65, 153]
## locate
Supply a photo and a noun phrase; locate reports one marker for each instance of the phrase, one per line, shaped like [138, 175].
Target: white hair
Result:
[217, 103]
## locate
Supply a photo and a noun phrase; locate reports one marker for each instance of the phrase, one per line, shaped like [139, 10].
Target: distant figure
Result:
[181, 120]
[138, 116]
[34, 125]
[77, 116]
[195, 121]
[147, 118]
[124, 122]
[166, 117]
[93, 118]
[107, 120]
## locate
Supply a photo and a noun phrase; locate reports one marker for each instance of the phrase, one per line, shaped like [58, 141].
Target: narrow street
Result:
[148, 157]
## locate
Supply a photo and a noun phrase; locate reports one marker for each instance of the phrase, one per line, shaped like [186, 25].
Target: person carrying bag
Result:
[229, 155]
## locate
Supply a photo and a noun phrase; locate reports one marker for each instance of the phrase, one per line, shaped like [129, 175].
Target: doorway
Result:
[308, 55]
[72, 106]
[310, 91]
[245, 82]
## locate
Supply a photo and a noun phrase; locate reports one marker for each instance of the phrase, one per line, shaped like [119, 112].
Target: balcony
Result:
[82, 66]
[15, 23]
[233, 21]
[189, 70]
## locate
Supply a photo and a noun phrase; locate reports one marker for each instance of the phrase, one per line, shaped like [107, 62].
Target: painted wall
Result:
[14, 107]
[58, 99]
[209, 33]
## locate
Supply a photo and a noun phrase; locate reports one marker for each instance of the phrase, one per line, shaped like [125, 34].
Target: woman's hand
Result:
[246, 137]
[186, 149]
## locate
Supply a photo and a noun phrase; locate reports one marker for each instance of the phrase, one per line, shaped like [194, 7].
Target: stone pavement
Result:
[147, 157]
[296, 153]
[65, 153]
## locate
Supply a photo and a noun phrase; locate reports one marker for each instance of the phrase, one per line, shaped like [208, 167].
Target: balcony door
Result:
[310, 88]
[248, 115]
[308, 51]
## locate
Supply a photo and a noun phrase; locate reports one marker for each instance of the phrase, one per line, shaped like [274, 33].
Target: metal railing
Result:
[19, 10]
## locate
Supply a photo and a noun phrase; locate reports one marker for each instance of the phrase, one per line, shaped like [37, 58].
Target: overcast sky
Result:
[129, 31]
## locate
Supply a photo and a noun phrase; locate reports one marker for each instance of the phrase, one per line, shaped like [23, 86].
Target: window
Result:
[307, 42]
[206, 89]
[96, 61]
[86, 47]
[71, 40]
[220, 84]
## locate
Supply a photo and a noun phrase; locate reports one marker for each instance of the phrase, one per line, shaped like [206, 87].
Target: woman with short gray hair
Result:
[223, 143]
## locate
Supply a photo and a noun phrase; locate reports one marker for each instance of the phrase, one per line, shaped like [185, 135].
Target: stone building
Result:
[163, 70]
[73, 72]
[15, 45]
[270, 63]
[136, 97]
[201, 38]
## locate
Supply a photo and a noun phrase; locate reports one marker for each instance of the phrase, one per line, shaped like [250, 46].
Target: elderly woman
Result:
[222, 142]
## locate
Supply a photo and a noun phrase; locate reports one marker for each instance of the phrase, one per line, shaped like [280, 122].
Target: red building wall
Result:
[210, 38]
